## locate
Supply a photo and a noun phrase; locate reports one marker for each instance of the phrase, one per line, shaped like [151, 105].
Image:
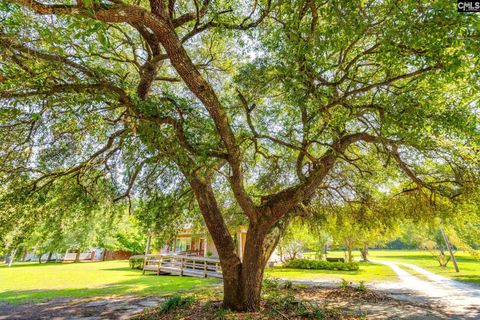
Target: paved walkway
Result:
[459, 299]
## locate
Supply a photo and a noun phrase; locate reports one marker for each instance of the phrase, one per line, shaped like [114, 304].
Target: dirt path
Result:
[372, 305]
[118, 308]
[461, 300]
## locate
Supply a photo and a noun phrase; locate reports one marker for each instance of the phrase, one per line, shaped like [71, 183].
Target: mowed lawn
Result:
[32, 282]
[368, 272]
[469, 266]
[371, 272]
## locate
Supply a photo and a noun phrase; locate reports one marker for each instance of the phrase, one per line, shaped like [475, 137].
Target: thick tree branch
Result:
[165, 32]
[14, 44]
[89, 162]
[278, 204]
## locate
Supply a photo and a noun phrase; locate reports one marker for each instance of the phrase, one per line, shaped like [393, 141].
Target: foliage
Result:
[236, 114]
[270, 283]
[281, 303]
[365, 220]
[344, 284]
[368, 272]
[288, 285]
[136, 262]
[176, 301]
[301, 236]
[361, 287]
[59, 217]
[437, 250]
[321, 265]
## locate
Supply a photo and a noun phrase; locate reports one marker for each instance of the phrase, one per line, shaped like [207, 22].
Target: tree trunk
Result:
[243, 286]
[49, 258]
[242, 280]
[452, 256]
[77, 256]
[260, 243]
[349, 253]
[40, 258]
[104, 255]
[364, 253]
[12, 257]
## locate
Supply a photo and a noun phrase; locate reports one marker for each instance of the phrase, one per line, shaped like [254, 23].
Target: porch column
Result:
[174, 244]
[149, 239]
[240, 246]
[205, 249]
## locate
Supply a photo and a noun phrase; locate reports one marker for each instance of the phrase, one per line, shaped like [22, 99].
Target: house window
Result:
[183, 244]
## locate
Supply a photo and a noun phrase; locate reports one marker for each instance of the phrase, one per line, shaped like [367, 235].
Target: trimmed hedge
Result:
[136, 262]
[321, 265]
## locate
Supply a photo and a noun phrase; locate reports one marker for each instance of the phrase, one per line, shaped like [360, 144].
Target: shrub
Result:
[270, 283]
[361, 287]
[285, 305]
[344, 284]
[175, 302]
[321, 265]
[136, 262]
[288, 285]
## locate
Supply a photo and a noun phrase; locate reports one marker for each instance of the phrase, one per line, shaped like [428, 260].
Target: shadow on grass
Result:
[147, 285]
[319, 271]
[45, 264]
[468, 279]
[422, 257]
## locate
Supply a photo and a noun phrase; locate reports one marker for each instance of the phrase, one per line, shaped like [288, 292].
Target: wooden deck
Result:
[183, 265]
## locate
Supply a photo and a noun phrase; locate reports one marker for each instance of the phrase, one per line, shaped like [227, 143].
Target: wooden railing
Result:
[183, 265]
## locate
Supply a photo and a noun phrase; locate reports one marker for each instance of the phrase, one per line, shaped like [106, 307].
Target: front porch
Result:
[183, 265]
[188, 243]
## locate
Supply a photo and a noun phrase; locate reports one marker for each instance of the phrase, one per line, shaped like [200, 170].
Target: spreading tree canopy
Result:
[253, 107]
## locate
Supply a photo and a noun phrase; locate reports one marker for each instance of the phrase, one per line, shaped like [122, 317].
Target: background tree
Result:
[297, 239]
[270, 100]
[61, 216]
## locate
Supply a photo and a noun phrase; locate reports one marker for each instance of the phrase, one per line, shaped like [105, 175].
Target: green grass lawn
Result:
[368, 272]
[30, 281]
[469, 266]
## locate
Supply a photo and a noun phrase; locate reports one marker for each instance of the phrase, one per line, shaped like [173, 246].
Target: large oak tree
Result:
[257, 105]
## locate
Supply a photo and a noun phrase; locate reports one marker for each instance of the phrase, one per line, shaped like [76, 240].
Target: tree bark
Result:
[244, 293]
[77, 256]
[12, 257]
[364, 253]
[243, 282]
[349, 253]
[104, 255]
[40, 258]
[452, 256]
[49, 258]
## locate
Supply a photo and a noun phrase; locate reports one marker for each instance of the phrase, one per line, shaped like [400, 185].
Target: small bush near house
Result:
[136, 262]
[321, 265]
